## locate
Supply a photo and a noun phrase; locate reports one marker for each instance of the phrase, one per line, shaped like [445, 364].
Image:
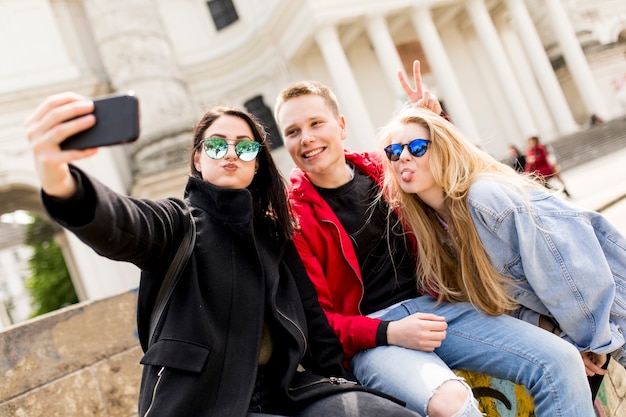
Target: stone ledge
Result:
[84, 360]
[63, 342]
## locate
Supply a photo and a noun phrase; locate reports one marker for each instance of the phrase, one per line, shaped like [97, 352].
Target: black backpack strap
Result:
[172, 275]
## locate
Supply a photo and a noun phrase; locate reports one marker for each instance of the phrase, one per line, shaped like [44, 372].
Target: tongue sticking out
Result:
[407, 176]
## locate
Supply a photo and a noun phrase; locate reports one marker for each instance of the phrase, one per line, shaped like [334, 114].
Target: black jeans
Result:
[349, 404]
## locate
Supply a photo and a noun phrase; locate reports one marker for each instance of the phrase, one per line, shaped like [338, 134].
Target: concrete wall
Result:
[79, 361]
[84, 361]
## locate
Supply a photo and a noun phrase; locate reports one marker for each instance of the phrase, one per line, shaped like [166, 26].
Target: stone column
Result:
[24, 61]
[544, 74]
[350, 100]
[486, 31]
[576, 60]
[138, 56]
[442, 69]
[387, 54]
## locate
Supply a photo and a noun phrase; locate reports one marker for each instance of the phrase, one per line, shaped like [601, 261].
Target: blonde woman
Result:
[503, 243]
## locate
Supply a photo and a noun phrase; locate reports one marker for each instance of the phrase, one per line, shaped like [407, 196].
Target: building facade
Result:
[503, 69]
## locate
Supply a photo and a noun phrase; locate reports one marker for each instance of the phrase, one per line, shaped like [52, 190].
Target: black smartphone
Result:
[117, 122]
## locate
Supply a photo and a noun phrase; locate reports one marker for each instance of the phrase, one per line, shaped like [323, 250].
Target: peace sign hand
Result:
[419, 97]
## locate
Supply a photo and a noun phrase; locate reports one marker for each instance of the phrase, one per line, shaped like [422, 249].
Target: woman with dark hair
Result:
[243, 316]
[267, 186]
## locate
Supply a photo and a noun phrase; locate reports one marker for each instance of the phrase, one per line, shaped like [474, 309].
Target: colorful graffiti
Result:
[502, 398]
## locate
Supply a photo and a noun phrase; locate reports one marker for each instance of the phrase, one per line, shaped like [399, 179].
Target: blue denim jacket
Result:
[566, 262]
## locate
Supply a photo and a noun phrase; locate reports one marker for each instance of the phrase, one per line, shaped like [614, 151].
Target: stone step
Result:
[594, 142]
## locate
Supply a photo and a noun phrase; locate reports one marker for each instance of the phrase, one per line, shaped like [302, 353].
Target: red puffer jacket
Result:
[330, 259]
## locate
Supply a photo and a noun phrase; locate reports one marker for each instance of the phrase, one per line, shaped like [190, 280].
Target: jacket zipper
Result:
[306, 342]
[156, 385]
[333, 380]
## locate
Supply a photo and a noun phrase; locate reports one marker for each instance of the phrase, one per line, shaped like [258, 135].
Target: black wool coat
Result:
[204, 358]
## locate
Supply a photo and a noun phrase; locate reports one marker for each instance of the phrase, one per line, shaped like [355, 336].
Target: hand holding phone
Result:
[117, 122]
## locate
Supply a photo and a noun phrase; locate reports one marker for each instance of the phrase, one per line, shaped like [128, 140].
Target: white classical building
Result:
[503, 69]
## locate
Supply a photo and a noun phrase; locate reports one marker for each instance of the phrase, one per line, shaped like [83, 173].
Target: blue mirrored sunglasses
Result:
[246, 150]
[417, 147]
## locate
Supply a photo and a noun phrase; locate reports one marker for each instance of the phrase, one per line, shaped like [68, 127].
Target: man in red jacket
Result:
[364, 271]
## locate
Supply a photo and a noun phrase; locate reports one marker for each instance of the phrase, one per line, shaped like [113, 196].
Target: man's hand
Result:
[418, 96]
[419, 331]
[593, 363]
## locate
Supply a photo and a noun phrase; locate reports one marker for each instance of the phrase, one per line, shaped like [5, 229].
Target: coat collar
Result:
[303, 190]
[229, 205]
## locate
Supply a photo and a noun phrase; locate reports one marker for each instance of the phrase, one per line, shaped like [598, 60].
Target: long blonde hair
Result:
[453, 263]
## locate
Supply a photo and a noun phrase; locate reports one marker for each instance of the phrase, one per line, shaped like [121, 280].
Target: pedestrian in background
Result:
[517, 160]
[542, 165]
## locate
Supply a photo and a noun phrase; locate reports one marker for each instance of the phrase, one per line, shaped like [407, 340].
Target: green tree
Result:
[49, 285]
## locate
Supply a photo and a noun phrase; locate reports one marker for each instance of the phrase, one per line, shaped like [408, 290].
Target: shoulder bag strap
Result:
[172, 275]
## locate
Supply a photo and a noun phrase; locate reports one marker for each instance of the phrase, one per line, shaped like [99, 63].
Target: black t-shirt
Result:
[387, 264]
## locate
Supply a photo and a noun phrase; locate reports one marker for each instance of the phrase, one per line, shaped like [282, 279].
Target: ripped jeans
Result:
[420, 374]
[504, 347]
